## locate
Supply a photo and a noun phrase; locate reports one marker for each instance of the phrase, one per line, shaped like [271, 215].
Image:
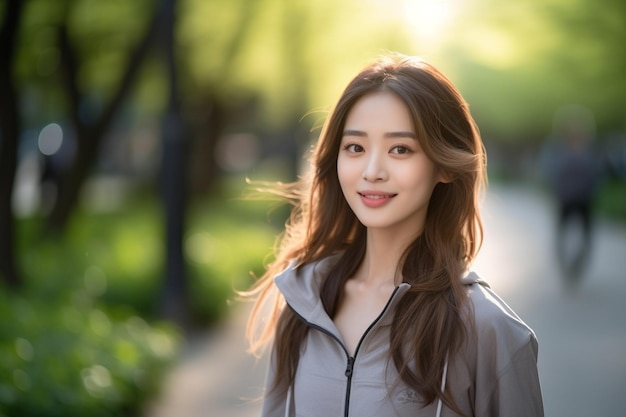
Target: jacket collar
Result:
[300, 286]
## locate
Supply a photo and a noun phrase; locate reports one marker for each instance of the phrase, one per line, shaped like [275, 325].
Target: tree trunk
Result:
[10, 128]
[207, 132]
[174, 305]
[90, 136]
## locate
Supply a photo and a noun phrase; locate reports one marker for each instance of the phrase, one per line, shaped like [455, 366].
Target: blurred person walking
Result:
[573, 171]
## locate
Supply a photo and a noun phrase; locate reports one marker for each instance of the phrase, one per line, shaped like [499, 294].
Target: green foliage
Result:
[83, 336]
[73, 342]
[226, 247]
[118, 255]
[611, 200]
[516, 62]
[70, 356]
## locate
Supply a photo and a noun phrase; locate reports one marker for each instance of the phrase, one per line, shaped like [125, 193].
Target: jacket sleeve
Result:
[274, 401]
[516, 389]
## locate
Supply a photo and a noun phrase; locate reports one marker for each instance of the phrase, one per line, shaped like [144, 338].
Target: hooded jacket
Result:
[493, 374]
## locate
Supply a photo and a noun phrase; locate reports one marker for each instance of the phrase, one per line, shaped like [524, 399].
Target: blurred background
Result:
[128, 130]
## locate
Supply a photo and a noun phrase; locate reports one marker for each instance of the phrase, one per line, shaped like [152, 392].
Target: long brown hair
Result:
[431, 326]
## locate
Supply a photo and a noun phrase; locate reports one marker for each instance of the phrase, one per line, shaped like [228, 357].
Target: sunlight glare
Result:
[426, 16]
[430, 24]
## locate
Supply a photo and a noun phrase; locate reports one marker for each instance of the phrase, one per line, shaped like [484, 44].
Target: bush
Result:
[71, 357]
[81, 337]
[611, 200]
[226, 247]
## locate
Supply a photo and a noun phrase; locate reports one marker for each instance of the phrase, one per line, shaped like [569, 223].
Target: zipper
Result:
[350, 359]
[349, 371]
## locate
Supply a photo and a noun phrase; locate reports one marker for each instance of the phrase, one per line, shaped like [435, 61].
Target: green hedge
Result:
[69, 357]
[611, 201]
[83, 336]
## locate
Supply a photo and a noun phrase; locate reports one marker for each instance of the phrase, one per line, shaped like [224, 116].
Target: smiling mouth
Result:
[377, 196]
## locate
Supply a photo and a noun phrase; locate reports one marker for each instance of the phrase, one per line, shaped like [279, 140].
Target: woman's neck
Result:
[382, 256]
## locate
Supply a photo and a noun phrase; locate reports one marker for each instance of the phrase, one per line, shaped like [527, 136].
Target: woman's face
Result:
[385, 176]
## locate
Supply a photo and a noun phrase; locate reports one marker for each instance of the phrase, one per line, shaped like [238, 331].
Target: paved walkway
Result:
[215, 377]
[582, 333]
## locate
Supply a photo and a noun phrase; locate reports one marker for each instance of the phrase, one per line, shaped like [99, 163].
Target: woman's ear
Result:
[444, 177]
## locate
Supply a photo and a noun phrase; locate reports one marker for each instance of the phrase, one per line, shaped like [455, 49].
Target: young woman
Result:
[372, 308]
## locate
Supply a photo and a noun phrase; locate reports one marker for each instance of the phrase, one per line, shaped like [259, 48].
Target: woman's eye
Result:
[400, 150]
[353, 147]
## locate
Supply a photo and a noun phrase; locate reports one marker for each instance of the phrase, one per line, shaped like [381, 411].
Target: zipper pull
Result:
[349, 367]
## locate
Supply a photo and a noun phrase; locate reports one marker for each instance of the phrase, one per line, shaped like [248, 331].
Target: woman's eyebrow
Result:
[352, 132]
[398, 134]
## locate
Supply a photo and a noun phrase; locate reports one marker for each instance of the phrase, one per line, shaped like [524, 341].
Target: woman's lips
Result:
[375, 198]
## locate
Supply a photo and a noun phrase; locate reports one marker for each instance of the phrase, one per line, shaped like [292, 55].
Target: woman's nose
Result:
[374, 169]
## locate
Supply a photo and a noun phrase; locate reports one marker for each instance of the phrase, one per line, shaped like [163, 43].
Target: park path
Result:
[582, 332]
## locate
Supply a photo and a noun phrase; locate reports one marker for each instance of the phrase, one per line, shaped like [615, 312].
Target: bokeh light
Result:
[50, 139]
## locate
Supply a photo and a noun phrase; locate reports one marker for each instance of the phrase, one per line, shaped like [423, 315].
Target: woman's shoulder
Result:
[494, 321]
[501, 359]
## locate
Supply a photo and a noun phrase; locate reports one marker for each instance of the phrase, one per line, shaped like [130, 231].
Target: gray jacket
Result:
[494, 374]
